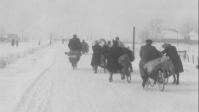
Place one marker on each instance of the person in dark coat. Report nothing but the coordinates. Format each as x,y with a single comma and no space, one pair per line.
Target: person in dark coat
172,53
95,62
147,53
85,47
104,55
75,46
112,60
12,42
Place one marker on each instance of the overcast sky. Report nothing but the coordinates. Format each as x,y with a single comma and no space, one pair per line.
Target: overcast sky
99,18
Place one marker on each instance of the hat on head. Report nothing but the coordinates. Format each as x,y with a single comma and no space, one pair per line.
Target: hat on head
165,45
117,38
149,41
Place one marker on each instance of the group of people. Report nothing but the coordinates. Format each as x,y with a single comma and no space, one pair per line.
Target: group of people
106,54
149,52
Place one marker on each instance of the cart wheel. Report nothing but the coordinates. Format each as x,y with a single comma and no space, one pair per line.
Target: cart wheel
166,77
146,86
129,77
161,80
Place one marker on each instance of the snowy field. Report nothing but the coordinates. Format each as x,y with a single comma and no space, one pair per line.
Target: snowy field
6,48
45,82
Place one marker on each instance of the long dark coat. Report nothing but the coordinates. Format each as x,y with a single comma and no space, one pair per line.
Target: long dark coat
84,47
147,53
96,55
172,53
112,60
105,51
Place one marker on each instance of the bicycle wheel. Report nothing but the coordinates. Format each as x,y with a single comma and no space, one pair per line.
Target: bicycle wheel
129,77
161,80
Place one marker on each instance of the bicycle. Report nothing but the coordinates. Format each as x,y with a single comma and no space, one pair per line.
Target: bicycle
73,60
157,76
159,71
126,71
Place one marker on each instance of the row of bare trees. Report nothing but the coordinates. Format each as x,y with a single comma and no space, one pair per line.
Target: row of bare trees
155,26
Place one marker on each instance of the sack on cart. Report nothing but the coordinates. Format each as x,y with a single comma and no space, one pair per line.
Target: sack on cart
155,64
124,60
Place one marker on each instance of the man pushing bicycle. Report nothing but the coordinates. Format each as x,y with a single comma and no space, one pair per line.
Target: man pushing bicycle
75,48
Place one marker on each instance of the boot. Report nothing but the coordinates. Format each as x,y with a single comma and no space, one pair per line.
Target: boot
110,78
122,76
144,81
174,81
177,79
95,69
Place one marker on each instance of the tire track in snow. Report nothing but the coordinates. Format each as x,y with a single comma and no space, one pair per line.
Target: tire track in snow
36,96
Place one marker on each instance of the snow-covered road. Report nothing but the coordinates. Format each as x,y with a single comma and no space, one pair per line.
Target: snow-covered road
59,88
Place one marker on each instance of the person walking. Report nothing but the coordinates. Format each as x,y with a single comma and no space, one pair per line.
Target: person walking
120,43
96,57
172,53
113,66
85,47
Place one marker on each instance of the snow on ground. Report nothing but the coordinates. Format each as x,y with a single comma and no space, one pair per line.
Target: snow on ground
17,77
46,82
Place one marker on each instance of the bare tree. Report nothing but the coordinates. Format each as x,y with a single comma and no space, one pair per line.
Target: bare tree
187,27
2,31
155,26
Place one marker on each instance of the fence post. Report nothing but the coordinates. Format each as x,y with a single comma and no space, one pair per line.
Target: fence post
193,58
188,57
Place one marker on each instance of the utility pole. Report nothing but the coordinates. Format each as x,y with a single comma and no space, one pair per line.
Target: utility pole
177,37
133,39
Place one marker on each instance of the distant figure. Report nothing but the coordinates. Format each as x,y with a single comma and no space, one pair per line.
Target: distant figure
109,44
17,42
84,47
120,43
39,43
12,42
